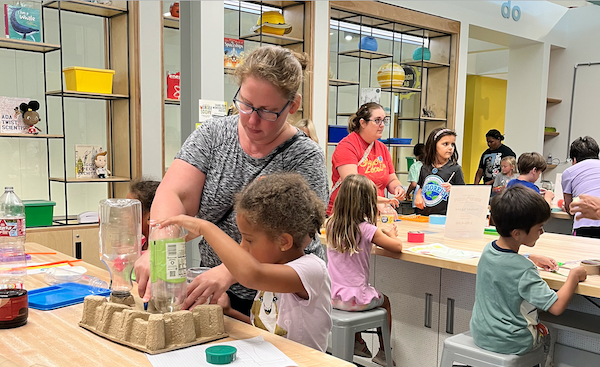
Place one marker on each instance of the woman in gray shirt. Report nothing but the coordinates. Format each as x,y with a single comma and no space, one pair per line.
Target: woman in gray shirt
225,154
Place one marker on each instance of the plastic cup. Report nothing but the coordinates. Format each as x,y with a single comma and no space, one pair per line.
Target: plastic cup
192,273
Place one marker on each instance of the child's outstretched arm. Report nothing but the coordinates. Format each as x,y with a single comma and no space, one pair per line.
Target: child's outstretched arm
565,292
243,266
419,203
388,239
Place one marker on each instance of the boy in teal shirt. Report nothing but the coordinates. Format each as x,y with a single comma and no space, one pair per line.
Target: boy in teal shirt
509,289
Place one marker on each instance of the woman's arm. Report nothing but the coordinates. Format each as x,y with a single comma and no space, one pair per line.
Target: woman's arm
478,176
243,266
395,187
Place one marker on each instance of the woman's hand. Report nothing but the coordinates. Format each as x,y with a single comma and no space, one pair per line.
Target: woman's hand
399,192
392,201
210,284
544,262
142,276
419,202
587,205
447,186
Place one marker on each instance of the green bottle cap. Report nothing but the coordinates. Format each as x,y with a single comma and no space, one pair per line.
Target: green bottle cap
220,354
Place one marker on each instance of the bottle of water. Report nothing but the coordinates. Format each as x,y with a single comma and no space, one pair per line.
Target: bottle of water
387,216
549,159
13,261
167,267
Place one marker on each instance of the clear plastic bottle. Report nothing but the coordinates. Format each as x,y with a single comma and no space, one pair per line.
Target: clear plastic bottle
120,241
167,267
67,275
13,261
387,216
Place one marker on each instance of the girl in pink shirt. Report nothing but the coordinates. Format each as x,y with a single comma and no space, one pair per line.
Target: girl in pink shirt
351,232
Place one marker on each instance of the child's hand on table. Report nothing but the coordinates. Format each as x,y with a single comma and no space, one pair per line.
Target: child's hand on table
544,262
392,232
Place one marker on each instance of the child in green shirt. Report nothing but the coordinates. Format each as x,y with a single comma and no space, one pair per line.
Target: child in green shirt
509,289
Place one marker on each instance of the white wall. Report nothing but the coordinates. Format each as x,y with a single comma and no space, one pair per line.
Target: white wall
151,75
320,54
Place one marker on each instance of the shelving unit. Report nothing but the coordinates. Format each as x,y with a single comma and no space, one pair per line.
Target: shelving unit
550,134
428,83
549,143
241,16
553,100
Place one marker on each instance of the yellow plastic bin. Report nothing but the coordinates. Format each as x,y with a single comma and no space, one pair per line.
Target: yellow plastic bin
80,79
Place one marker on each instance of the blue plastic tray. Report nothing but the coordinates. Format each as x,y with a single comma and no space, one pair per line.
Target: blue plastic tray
62,295
397,141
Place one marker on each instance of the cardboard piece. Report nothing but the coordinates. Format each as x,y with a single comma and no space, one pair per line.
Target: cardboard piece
152,333
467,211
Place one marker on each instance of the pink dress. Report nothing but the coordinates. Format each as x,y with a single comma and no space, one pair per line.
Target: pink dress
350,274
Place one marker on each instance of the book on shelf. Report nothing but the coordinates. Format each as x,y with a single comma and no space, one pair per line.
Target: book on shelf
84,160
173,86
209,109
233,55
12,120
370,95
22,23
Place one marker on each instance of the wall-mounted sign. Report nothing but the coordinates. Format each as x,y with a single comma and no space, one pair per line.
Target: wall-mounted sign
507,12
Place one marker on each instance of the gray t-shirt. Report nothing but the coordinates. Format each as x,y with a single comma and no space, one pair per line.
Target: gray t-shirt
214,149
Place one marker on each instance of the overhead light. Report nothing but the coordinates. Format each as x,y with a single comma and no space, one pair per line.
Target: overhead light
348,37
331,34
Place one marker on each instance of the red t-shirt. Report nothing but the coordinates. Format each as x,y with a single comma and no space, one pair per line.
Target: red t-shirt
377,167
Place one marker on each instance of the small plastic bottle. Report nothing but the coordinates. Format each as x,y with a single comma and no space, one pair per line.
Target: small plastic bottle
13,261
387,216
167,267
549,159
65,275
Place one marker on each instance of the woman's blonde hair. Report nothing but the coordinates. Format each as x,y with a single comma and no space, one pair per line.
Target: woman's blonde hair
355,203
364,112
279,66
513,163
308,125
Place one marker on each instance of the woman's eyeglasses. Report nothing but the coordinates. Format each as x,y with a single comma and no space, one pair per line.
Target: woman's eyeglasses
379,122
247,109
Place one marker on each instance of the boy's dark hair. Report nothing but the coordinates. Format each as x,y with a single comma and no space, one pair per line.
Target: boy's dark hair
282,203
529,161
584,148
419,151
431,146
144,191
518,207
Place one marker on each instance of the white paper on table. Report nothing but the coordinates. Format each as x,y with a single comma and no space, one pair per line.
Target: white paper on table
444,252
467,210
254,352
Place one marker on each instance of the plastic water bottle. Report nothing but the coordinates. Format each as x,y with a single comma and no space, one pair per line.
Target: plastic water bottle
168,267
549,159
120,241
387,216
13,261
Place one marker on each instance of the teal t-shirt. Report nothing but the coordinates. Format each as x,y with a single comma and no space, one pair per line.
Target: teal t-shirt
414,171
508,292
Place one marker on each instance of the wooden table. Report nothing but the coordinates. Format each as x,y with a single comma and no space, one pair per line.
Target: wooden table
560,247
53,338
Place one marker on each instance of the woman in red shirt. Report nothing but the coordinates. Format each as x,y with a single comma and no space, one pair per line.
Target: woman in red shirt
360,152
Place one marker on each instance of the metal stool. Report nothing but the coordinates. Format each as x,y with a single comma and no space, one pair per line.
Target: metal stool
346,324
462,349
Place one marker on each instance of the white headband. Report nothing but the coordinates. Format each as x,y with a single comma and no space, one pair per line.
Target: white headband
440,132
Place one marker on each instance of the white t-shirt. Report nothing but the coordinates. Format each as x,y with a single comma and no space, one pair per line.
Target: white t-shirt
305,321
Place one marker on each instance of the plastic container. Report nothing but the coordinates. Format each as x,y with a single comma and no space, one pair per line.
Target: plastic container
120,241
81,79
437,219
167,267
409,162
337,133
220,354
396,141
38,213
387,216
75,274
13,260
62,295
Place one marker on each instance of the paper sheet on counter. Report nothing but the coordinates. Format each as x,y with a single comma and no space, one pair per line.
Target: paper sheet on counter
254,352
444,252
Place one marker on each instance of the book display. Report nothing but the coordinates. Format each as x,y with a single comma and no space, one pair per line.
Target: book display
72,87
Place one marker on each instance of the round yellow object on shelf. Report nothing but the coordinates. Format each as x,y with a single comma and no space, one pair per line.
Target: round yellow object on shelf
389,71
272,23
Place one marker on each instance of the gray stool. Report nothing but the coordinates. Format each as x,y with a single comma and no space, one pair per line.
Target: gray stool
346,324
462,349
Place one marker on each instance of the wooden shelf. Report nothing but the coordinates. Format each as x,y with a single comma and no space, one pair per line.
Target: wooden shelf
440,119
400,145
426,64
86,95
170,22
229,70
341,83
364,54
21,45
551,166
348,114
332,144
550,133
272,39
85,7
79,180
172,101
400,90
278,4
31,136
553,100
